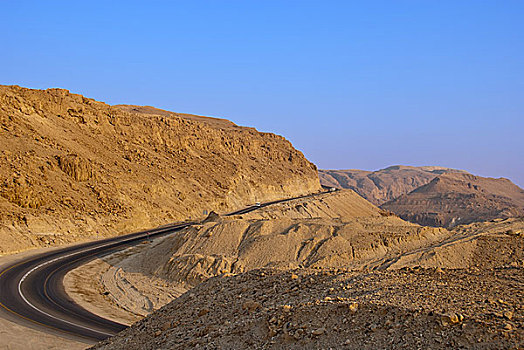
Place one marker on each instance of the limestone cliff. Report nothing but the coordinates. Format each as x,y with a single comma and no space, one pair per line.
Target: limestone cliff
72,167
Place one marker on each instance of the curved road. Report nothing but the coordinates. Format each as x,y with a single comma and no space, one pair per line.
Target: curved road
32,288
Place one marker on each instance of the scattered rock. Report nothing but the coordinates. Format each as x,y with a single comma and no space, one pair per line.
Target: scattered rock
203,312
451,318
251,305
508,315
318,331
353,307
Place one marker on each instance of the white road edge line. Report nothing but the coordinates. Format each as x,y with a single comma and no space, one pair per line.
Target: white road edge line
60,258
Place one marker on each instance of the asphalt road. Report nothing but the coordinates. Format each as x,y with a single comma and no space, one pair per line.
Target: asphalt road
32,289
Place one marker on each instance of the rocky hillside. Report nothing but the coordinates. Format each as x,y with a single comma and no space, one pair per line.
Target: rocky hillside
337,309
338,273
319,233
382,185
453,199
72,167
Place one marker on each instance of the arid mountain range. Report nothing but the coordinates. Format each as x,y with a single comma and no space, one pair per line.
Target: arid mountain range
457,198
75,168
432,196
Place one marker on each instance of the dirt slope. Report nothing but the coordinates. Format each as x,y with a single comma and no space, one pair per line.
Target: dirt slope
307,309
382,185
453,199
322,232
72,167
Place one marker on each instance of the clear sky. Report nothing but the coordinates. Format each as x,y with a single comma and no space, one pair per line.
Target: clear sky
353,84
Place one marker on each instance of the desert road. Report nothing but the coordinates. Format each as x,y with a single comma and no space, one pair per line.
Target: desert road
31,290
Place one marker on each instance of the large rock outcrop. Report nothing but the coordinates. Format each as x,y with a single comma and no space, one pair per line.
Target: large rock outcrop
72,167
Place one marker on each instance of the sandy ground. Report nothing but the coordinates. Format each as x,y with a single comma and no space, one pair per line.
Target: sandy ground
14,335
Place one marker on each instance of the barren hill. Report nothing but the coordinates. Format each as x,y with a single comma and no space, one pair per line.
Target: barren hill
338,272
321,233
454,198
72,167
382,185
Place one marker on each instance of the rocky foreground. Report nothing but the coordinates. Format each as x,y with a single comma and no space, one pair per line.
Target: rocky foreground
411,308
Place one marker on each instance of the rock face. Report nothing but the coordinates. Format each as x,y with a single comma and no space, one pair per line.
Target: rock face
454,199
72,167
383,185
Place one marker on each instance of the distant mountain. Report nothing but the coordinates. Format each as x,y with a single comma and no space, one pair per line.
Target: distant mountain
383,185
451,199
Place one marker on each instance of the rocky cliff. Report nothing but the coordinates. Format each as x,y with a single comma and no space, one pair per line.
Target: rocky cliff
74,168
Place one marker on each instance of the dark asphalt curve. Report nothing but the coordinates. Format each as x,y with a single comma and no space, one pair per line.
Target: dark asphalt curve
32,288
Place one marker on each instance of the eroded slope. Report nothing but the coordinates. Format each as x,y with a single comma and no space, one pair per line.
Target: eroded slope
308,309
338,229
72,167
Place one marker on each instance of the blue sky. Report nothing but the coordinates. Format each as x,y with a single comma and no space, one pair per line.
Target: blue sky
352,84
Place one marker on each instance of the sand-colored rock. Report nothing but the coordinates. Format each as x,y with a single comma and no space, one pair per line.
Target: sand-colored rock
230,245
432,196
330,230
73,168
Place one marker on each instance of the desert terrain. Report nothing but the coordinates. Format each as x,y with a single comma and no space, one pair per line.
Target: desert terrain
310,309
383,185
404,257
452,199
403,285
